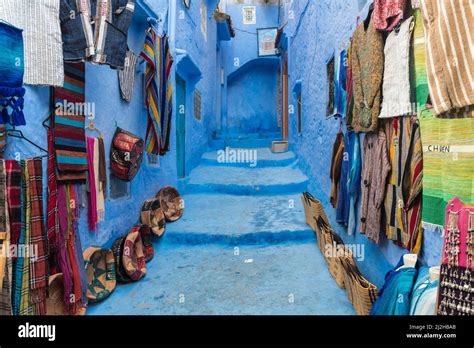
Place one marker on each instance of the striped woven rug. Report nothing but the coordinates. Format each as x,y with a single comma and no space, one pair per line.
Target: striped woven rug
69,124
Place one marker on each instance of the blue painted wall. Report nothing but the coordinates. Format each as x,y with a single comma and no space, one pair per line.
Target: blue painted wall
250,105
202,50
252,97
316,30
102,89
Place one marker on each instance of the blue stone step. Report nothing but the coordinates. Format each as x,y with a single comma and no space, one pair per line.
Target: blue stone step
231,220
258,157
246,181
284,279
250,140
250,143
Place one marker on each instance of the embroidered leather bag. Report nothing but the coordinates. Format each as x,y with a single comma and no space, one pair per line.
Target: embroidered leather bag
126,154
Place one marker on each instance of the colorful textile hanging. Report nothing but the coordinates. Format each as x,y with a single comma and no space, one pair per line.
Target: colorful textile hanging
5,259
336,163
69,123
11,71
96,184
70,252
419,75
403,197
158,92
23,261
28,242
448,156
52,218
101,168
448,145
14,199
38,239
41,26
448,25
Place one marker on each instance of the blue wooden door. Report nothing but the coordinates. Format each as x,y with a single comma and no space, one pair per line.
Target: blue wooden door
180,125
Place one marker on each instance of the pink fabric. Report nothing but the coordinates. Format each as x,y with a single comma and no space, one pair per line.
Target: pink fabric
92,194
463,211
388,13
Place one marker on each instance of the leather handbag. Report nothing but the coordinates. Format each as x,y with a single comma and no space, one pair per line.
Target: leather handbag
126,154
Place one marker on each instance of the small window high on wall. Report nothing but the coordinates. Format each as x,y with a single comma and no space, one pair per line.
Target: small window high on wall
249,15
197,105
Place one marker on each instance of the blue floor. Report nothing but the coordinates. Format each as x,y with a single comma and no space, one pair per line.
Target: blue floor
242,247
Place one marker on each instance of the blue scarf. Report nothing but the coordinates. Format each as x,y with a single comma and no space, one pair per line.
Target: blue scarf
395,295
11,71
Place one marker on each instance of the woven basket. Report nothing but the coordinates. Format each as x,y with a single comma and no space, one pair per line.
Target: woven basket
55,300
336,267
117,249
337,252
362,294
171,203
316,218
100,270
314,212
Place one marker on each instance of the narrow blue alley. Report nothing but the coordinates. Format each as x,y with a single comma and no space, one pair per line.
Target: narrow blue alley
241,247
236,157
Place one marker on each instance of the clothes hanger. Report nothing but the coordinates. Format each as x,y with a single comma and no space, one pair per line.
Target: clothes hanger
45,122
91,126
15,133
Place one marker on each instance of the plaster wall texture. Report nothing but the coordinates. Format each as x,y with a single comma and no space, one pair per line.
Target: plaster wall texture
252,101
317,30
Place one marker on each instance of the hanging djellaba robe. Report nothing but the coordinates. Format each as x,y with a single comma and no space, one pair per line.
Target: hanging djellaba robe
403,198
159,90
394,296
336,164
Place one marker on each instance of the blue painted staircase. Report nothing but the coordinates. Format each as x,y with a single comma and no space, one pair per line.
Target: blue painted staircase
242,247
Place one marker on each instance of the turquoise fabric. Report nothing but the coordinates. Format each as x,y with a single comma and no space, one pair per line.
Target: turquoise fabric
11,72
423,299
394,296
